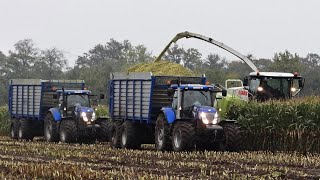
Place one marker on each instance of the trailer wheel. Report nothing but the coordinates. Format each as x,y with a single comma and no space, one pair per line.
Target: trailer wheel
24,130
183,136
68,131
114,135
50,129
105,127
233,137
14,129
129,136
162,134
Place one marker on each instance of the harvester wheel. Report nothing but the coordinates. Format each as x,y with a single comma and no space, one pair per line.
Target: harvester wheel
25,130
68,131
115,132
50,129
162,134
183,136
129,136
105,127
233,137
14,129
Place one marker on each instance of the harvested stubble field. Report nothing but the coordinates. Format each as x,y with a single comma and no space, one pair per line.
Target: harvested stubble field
41,160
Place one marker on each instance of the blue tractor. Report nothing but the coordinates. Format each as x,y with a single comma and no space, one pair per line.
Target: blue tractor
56,109
175,113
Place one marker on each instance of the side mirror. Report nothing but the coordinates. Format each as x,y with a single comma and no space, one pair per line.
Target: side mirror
224,92
170,91
55,96
245,81
301,83
101,96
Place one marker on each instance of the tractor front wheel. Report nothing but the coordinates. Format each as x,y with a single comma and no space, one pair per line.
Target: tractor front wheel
183,136
68,131
105,127
233,137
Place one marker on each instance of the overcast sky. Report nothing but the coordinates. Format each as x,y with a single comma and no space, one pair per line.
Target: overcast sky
249,26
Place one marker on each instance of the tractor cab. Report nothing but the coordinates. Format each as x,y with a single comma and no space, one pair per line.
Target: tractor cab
76,104
273,85
195,101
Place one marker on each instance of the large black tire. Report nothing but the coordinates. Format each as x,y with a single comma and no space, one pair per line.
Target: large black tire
51,133
115,132
162,134
14,129
68,131
233,137
105,127
129,138
183,136
25,130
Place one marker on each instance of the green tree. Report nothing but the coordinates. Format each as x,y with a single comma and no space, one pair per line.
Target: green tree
21,61
192,59
286,62
50,64
175,54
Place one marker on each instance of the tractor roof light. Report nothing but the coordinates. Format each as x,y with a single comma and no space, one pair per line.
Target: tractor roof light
296,74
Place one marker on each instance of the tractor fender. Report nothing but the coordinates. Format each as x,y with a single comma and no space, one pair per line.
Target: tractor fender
55,113
170,114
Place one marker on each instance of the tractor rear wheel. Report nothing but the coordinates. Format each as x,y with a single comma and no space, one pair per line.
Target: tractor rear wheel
14,129
115,132
129,136
233,137
25,130
50,129
68,131
162,134
183,136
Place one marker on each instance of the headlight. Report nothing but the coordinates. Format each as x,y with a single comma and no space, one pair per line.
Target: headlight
293,89
260,88
209,118
93,116
84,117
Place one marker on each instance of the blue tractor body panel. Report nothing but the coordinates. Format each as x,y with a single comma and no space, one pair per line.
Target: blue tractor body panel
56,113
170,114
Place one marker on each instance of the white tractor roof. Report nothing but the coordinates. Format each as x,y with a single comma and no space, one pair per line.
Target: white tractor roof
272,74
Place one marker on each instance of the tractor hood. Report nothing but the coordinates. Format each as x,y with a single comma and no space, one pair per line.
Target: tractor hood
208,115
80,109
205,109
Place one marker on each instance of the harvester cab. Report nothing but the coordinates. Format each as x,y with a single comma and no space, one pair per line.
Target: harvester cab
283,84
264,86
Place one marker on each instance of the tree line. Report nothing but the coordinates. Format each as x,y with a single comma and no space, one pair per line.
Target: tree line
26,60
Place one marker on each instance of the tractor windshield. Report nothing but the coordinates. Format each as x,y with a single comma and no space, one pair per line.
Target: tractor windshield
77,99
270,88
193,97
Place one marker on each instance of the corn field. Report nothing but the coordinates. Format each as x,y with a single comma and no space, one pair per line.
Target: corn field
280,125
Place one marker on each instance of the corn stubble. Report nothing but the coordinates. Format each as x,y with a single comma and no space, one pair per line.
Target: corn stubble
41,160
